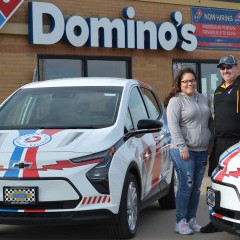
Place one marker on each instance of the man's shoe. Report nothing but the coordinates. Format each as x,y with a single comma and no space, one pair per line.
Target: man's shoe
210,228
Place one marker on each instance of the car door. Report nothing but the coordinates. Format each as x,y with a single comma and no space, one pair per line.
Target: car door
161,165
144,143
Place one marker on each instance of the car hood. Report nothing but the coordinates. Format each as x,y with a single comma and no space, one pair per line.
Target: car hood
34,153
229,170
58,140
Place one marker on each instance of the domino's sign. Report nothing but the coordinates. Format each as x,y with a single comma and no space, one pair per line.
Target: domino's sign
7,8
110,33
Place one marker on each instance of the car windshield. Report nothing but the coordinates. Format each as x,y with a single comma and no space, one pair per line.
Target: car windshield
61,107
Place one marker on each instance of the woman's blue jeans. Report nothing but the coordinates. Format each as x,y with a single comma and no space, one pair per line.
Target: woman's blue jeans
190,175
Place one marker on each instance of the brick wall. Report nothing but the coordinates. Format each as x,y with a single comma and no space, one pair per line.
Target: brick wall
18,58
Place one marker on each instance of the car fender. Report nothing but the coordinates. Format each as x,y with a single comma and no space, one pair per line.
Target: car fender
121,165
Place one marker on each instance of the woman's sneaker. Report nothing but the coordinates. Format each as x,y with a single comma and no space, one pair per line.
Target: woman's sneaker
182,227
193,224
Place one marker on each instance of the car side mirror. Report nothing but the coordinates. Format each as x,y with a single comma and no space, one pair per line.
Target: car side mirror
145,126
149,124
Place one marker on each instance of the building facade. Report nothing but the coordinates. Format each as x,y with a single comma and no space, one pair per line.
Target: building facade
137,39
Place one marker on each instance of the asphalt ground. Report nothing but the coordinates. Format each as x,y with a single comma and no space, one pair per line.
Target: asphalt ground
155,223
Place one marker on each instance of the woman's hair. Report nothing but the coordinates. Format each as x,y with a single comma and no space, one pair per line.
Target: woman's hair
176,86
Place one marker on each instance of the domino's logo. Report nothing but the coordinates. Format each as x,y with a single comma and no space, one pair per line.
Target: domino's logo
7,8
32,140
198,15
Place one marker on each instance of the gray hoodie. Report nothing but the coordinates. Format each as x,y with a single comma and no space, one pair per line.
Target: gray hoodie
188,121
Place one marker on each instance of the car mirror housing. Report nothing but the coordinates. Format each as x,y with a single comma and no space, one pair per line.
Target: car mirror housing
145,126
149,124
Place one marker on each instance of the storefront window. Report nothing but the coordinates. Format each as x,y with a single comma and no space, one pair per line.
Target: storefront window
101,68
53,67
210,79
179,65
60,68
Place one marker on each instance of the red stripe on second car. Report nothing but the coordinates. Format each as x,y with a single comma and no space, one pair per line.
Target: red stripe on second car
219,177
218,215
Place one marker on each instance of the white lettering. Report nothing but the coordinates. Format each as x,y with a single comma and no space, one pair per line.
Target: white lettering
189,42
129,12
167,36
209,16
108,31
77,31
146,35
104,32
37,10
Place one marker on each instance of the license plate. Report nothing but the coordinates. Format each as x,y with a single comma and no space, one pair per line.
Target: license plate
213,198
20,195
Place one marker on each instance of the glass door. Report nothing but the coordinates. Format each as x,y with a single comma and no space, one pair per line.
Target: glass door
210,79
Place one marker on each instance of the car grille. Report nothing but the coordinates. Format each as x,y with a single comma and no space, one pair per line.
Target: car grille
44,205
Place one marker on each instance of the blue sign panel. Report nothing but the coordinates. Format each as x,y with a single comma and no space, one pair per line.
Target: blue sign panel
216,28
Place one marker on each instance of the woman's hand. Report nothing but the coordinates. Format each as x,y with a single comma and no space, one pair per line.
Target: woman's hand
185,155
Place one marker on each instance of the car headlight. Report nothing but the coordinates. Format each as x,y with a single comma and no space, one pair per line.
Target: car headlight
96,157
98,175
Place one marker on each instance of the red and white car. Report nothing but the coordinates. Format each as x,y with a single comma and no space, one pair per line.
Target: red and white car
223,196
83,149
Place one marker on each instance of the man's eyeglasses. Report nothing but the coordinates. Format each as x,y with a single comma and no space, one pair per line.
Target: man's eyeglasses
225,67
188,81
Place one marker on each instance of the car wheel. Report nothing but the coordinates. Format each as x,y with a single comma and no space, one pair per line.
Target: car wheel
168,201
127,221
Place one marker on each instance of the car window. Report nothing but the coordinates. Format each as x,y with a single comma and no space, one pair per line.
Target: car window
151,102
128,122
137,107
66,107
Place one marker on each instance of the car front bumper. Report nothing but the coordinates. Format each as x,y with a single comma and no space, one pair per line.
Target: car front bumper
231,225
31,218
224,201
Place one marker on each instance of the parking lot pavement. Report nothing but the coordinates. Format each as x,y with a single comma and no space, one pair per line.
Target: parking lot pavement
158,224
155,223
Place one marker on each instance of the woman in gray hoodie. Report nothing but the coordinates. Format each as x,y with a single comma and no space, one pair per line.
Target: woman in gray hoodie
188,118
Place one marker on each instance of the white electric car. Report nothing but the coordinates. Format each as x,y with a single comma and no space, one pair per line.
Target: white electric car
223,196
84,149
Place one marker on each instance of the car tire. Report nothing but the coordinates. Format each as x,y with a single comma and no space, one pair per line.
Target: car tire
168,201
125,226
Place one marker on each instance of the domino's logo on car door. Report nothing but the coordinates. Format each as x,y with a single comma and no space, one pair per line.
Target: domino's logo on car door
7,8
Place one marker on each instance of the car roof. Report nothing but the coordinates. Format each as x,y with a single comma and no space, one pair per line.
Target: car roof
85,81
